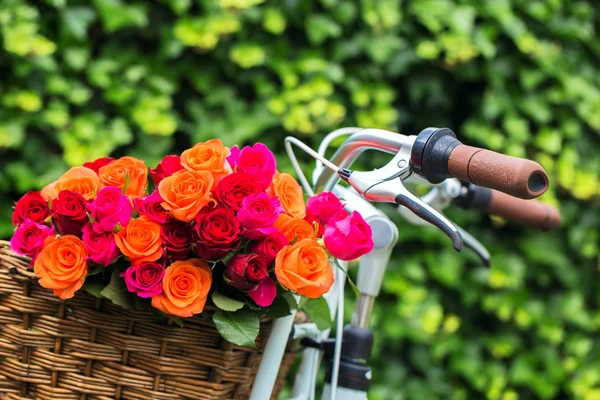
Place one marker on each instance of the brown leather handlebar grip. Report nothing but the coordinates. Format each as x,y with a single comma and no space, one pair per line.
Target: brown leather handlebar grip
515,176
532,213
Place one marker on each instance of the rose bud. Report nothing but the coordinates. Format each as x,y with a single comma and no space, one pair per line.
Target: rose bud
31,206
99,163
102,248
264,292
69,213
323,206
347,237
177,239
167,167
152,207
233,189
216,232
269,246
244,271
316,223
145,279
257,160
29,238
258,215
110,208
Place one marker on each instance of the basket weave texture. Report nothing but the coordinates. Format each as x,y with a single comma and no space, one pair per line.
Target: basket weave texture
90,349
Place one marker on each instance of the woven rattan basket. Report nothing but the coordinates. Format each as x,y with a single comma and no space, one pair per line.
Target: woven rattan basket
90,349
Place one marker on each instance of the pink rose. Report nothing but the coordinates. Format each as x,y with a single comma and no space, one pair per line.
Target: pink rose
269,246
167,167
264,292
258,214
110,208
145,279
29,238
347,237
244,271
257,160
102,248
323,206
152,207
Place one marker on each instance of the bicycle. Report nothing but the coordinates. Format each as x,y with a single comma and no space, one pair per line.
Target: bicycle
466,176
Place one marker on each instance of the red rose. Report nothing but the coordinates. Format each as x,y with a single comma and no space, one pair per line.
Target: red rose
167,167
69,213
233,189
99,163
31,206
177,238
216,232
244,271
152,207
269,246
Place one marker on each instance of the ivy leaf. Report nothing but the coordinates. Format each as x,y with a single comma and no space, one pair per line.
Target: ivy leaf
226,303
318,311
116,291
240,328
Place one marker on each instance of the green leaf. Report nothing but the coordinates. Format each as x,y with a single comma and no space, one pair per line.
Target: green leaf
95,270
94,287
117,292
318,311
226,303
279,309
240,328
76,21
126,182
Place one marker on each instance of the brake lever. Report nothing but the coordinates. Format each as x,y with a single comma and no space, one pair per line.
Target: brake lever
385,186
440,197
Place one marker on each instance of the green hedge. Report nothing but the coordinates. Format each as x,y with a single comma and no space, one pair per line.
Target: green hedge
84,79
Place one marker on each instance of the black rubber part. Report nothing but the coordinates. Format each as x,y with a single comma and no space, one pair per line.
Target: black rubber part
354,372
431,151
476,198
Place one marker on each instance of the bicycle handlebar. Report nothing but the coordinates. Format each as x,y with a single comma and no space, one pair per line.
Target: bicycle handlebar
532,213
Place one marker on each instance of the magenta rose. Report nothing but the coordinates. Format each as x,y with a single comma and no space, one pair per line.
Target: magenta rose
31,206
257,160
269,246
99,163
263,293
314,221
244,271
145,279
152,207
233,189
258,214
69,213
216,232
347,237
177,239
110,208
167,167
29,238
323,206
102,248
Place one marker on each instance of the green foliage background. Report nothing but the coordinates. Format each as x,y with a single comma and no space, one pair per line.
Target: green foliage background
84,79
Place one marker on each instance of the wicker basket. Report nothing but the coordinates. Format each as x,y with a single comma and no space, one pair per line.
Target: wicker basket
88,348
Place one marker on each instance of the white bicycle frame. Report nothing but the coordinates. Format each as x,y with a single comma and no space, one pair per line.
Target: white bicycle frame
368,281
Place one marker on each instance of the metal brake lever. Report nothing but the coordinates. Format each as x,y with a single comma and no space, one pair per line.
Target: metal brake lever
440,197
385,186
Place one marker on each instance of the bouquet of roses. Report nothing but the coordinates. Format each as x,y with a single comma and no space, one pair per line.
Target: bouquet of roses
219,221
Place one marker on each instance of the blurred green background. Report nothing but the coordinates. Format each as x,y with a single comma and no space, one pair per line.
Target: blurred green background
85,79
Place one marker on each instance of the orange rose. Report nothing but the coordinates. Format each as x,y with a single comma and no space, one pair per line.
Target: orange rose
290,194
126,168
62,265
304,268
140,240
81,180
208,156
185,288
294,228
186,192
